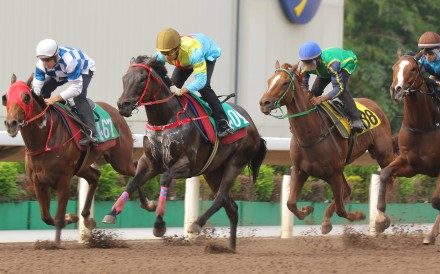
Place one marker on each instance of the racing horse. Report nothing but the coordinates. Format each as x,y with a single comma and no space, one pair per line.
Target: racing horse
175,148
316,149
53,158
418,137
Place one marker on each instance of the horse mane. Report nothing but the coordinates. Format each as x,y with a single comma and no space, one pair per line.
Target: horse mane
38,99
294,69
157,66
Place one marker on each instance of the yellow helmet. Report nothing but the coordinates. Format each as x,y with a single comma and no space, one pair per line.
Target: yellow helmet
167,40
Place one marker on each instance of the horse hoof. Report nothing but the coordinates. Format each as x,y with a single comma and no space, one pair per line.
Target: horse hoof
382,225
195,228
151,206
109,219
159,232
90,223
326,227
429,239
358,215
71,218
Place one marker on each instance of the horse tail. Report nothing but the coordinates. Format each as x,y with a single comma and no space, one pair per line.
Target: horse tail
396,150
257,161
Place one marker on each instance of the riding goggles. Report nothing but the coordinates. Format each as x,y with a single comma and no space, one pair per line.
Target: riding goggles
169,53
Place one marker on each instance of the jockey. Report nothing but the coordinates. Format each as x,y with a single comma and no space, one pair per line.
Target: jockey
429,43
59,65
193,53
333,65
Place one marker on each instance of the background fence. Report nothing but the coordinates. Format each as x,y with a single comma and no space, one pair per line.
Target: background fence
26,215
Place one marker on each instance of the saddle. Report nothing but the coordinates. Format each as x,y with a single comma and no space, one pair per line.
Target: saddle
208,126
106,131
334,109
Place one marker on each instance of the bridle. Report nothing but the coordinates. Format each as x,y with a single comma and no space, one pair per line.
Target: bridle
27,109
291,87
411,88
151,74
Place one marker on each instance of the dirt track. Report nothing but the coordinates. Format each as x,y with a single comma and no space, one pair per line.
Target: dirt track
350,253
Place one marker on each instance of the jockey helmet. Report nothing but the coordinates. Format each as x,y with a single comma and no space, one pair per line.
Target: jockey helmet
309,51
47,48
167,40
429,40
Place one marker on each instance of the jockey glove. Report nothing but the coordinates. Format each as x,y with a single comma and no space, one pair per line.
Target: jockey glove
176,91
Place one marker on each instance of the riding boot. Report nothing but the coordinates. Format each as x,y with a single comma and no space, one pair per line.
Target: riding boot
224,128
350,108
218,113
86,114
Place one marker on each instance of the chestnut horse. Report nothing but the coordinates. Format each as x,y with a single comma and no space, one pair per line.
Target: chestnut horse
52,158
174,147
418,139
315,149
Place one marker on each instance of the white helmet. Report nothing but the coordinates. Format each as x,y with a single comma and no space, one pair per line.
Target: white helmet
47,48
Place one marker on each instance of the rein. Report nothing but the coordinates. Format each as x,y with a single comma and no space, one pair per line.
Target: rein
161,101
292,87
49,136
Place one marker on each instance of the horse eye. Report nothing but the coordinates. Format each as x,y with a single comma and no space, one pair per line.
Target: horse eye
27,98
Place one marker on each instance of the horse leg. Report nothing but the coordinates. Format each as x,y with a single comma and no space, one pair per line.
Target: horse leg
341,190
62,192
231,209
179,170
399,167
91,175
430,237
42,193
122,163
220,181
326,225
297,180
144,172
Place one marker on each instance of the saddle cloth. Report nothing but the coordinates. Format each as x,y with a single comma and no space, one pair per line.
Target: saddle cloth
236,120
369,118
106,131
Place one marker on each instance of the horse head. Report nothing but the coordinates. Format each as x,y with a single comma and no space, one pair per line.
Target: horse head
142,83
279,85
19,105
407,77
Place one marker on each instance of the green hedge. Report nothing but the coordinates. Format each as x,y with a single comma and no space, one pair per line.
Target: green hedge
15,186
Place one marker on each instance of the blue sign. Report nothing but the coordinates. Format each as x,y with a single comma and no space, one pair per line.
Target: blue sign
300,11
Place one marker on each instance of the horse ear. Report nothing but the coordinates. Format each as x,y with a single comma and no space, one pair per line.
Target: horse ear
132,60
29,80
418,55
277,65
13,78
4,100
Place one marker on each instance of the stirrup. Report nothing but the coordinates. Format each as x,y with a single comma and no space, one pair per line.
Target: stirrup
88,139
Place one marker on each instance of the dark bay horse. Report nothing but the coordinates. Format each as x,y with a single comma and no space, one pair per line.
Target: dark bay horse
316,149
175,148
419,137
52,158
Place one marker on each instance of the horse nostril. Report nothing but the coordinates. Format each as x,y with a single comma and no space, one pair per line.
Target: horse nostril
267,104
398,88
